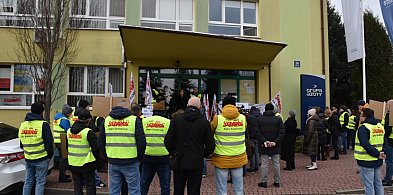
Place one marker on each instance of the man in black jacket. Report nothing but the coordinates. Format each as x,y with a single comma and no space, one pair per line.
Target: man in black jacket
272,132
123,142
335,126
200,145
253,131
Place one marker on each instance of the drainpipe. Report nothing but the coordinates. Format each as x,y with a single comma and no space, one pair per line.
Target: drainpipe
270,81
323,36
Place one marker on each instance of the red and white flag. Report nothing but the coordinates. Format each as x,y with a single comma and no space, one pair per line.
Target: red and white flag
277,103
132,89
214,107
206,105
149,94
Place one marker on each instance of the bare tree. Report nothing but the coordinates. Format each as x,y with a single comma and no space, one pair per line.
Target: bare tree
47,39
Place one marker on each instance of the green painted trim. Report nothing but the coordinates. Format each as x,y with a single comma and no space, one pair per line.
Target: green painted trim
201,15
133,12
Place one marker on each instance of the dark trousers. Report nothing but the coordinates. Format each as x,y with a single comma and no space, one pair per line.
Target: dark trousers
193,179
321,152
163,171
63,162
89,180
313,158
290,164
336,146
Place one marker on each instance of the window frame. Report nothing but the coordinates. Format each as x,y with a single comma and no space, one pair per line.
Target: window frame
241,24
178,22
11,91
14,16
85,77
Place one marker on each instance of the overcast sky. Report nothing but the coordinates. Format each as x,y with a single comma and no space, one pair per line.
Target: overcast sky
372,5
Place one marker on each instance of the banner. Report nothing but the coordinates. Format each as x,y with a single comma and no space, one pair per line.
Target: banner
313,94
276,101
387,13
149,94
353,23
132,90
13,100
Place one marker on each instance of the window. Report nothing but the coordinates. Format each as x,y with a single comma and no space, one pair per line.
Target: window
232,17
101,14
167,14
17,86
97,14
86,82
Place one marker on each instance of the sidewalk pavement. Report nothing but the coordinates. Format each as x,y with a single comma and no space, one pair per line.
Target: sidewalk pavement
331,176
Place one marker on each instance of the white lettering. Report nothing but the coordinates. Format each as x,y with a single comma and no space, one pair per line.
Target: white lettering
314,92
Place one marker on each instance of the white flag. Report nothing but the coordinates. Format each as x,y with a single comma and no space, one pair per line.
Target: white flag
353,23
132,90
149,94
214,107
110,90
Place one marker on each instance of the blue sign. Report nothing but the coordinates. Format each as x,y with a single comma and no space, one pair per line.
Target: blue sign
387,12
313,94
296,64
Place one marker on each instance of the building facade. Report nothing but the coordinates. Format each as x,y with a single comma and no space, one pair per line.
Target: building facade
188,51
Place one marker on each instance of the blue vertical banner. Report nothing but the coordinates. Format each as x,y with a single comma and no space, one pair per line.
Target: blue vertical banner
313,94
387,13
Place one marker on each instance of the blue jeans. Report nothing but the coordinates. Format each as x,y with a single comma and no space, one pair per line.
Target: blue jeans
237,178
255,159
164,174
389,163
371,178
130,172
35,172
344,141
97,177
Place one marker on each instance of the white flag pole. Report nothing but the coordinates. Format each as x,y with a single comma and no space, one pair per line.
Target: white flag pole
364,55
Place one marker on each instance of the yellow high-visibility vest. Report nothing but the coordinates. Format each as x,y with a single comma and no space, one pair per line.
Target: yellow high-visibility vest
73,118
351,123
79,150
30,135
377,133
342,117
230,136
120,137
155,128
57,130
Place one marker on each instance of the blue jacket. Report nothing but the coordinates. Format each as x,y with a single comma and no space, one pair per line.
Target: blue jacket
64,124
46,136
120,113
364,139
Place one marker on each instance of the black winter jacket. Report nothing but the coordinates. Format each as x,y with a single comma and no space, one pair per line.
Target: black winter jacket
92,139
253,125
271,129
321,127
46,136
121,113
201,143
334,123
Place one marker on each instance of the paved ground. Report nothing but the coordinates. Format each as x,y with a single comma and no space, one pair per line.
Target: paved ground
330,177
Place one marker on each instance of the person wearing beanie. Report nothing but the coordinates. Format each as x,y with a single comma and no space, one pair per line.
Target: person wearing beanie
271,132
81,104
61,124
335,129
38,148
289,140
122,141
253,132
310,145
82,154
230,155
191,128
322,128
369,152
